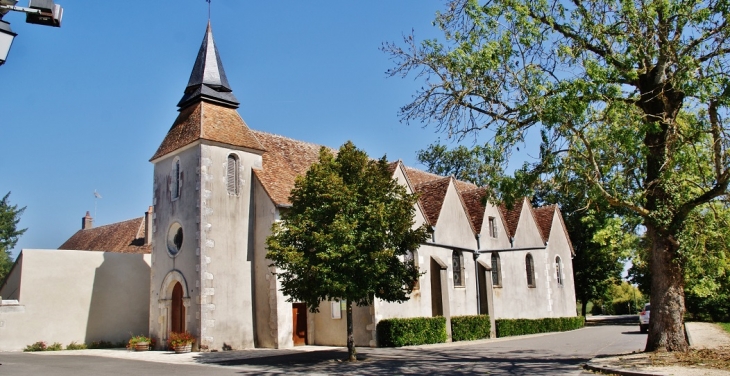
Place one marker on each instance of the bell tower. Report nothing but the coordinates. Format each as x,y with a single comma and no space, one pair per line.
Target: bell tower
201,261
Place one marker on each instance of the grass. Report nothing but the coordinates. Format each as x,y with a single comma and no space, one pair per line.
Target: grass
725,325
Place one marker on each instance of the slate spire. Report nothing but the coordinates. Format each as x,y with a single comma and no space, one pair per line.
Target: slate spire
208,80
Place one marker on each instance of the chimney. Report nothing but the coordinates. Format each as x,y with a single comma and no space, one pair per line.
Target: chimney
87,222
148,226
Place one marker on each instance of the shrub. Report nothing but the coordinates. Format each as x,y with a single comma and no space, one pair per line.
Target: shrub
76,346
38,346
469,328
104,345
411,331
517,327
56,346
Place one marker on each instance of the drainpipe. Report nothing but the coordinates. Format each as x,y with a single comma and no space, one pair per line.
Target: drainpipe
476,273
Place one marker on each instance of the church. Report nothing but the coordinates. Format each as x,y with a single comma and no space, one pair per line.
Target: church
196,261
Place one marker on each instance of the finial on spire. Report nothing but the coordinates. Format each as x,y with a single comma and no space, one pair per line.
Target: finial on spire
208,79
208,1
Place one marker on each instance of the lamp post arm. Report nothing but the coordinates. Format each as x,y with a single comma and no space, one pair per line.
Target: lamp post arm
20,9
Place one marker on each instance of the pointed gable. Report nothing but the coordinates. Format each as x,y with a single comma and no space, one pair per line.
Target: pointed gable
432,197
512,217
544,218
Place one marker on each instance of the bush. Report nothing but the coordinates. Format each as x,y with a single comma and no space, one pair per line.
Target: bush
56,346
469,328
411,331
76,346
38,346
517,327
106,345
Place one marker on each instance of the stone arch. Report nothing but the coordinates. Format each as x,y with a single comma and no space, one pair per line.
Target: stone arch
172,279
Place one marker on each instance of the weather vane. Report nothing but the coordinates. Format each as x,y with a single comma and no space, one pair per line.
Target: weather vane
208,1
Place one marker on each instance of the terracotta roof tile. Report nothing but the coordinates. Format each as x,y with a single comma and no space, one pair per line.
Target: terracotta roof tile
544,217
432,197
208,122
512,217
473,200
120,237
283,161
418,177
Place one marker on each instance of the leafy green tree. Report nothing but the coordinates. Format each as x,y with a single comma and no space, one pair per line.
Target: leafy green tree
9,233
472,165
347,235
632,96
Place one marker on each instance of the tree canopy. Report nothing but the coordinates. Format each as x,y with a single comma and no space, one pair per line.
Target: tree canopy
631,96
9,233
347,235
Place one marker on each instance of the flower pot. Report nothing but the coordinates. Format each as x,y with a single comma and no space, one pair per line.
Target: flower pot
142,346
183,348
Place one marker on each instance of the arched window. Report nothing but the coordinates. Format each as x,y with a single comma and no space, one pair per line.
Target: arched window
530,269
232,174
559,270
457,262
175,179
496,271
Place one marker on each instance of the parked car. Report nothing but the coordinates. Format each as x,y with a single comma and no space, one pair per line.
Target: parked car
644,318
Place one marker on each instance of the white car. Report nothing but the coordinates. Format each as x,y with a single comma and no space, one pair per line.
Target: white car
644,318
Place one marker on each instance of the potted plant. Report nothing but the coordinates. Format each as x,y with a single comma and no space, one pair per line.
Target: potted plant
181,342
139,343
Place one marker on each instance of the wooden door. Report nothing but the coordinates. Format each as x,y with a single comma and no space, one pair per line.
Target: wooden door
483,303
299,318
437,305
177,310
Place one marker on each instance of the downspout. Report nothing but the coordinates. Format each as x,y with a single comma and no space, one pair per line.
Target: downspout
476,273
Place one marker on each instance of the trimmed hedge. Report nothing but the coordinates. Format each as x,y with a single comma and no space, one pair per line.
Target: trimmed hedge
411,331
469,328
517,327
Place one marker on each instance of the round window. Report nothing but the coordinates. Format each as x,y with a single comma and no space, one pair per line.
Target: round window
174,238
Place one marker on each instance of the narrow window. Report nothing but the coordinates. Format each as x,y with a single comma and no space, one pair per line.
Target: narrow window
412,257
458,268
530,269
493,227
232,174
559,270
496,271
176,179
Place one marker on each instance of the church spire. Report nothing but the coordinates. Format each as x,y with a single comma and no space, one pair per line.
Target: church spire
208,80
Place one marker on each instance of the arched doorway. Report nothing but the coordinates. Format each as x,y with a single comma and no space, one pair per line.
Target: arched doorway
177,310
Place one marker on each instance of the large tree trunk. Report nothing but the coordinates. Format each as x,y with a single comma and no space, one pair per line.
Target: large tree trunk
584,306
351,352
666,329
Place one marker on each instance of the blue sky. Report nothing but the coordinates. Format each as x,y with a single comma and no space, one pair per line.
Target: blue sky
86,105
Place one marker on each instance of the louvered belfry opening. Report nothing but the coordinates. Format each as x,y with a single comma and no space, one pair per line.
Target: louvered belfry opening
232,174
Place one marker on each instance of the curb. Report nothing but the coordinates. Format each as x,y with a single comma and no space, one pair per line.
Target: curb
616,371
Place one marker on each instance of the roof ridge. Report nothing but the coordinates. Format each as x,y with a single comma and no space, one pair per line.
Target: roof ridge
114,223
291,139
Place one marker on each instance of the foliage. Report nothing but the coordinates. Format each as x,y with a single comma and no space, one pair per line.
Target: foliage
347,235
56,346
9,233
106,345
38,346
76,346
623,299
411,331
470,328
138,339
180,339
466,164
725,326
632,97
518,327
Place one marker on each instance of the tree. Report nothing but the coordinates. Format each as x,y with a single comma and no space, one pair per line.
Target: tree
9,233
347,235
632,96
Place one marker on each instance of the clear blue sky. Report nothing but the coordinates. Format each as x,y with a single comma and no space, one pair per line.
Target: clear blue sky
85,106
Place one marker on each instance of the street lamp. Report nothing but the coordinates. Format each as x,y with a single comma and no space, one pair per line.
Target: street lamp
39,12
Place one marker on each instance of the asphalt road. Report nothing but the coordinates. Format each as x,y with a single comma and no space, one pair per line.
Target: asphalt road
552,354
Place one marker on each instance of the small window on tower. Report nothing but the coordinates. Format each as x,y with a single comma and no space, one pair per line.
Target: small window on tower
232,174
492,227
175,186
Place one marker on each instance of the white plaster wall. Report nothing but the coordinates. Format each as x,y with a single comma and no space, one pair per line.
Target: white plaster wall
454,226
80,296
564,304
185,210
527,233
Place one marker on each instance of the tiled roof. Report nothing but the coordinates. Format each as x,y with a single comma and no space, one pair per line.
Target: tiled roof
512,217
208,122
418,177
544,216
283,161
120,237
473,200
432,197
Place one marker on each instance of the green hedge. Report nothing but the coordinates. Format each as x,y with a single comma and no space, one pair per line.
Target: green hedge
469,328
411,331
517,327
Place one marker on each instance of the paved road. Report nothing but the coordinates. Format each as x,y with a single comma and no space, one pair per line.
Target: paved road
553,354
